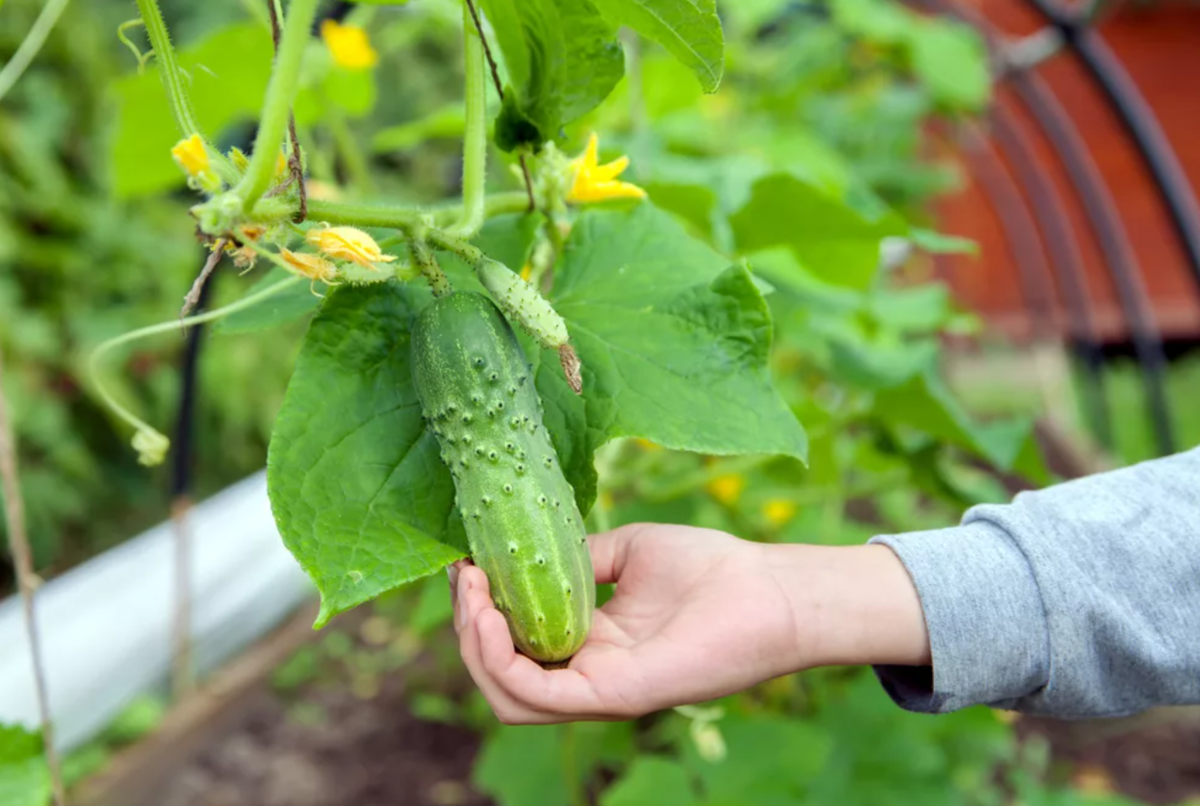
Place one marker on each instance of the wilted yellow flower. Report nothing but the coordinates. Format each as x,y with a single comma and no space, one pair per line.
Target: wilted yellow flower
594,182
151,446
349,45
647,445
728,488
192,157
281,165
526,272
347,243
779,511
314,267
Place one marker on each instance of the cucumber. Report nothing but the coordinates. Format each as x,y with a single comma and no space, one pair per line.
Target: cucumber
522,303
523,526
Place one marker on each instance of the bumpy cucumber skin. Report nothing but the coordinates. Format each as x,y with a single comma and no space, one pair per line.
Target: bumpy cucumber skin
523,526
523,304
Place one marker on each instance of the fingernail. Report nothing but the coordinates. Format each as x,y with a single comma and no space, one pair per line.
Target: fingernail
452,574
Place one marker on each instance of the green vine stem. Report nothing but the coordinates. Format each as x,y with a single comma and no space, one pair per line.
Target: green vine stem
31,44
427,264
471,255
168,66
149,442
475,134
285,80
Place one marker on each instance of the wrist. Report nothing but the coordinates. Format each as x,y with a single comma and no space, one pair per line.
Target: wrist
851,605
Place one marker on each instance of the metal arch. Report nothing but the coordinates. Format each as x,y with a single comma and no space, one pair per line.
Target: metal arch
1113,239
1063,246
1020,228
1105,221
1139,121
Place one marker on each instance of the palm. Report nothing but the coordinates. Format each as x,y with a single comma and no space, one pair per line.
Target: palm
675,631
679,610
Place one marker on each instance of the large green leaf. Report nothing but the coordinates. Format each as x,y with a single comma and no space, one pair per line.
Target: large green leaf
951,60
563,59
674,344
768,757
24,777
528,765
830,240
689,29
651,779
923,402
359,491
294,302
228,71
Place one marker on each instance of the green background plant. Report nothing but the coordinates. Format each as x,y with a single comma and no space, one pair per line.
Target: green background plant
819,116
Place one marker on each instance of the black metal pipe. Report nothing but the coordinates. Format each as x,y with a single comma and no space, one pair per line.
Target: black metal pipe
183,448
1066,261
1102,214
1020,231
1113,239
1141,124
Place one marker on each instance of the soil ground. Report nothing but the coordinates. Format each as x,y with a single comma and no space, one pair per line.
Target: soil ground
373,752
1158,764
361,752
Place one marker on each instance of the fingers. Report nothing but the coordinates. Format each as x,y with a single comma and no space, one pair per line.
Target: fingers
610,551
474,599
519,690
452,572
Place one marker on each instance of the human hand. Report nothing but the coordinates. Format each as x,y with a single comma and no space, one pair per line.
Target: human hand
697,614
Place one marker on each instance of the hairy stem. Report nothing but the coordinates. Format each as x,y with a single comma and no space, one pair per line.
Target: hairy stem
168,67
471,255
285,80
425,261
475,135
30,45
18,541
403,218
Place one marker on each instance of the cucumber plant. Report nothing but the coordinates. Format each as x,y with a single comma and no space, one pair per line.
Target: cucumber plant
368,493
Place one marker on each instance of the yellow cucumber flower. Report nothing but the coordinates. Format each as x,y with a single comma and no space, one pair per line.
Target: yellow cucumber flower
728,488
314,267
347,243
192,156
595,182
349,45
779,511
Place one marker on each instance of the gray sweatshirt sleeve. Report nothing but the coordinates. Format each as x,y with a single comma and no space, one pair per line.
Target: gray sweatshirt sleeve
1080,600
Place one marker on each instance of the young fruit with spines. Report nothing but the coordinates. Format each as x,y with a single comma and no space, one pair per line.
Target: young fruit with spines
523,526
522,304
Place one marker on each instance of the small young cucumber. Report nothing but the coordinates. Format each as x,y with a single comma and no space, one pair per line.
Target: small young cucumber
523,526
522,303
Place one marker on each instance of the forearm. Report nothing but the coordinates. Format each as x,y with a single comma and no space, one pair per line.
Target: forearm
850,605
1081,600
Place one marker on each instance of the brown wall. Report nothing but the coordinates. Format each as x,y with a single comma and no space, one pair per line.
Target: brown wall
1160,48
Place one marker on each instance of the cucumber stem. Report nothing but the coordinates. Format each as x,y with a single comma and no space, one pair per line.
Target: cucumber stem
427,264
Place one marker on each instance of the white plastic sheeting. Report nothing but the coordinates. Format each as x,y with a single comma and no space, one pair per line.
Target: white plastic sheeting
106,625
